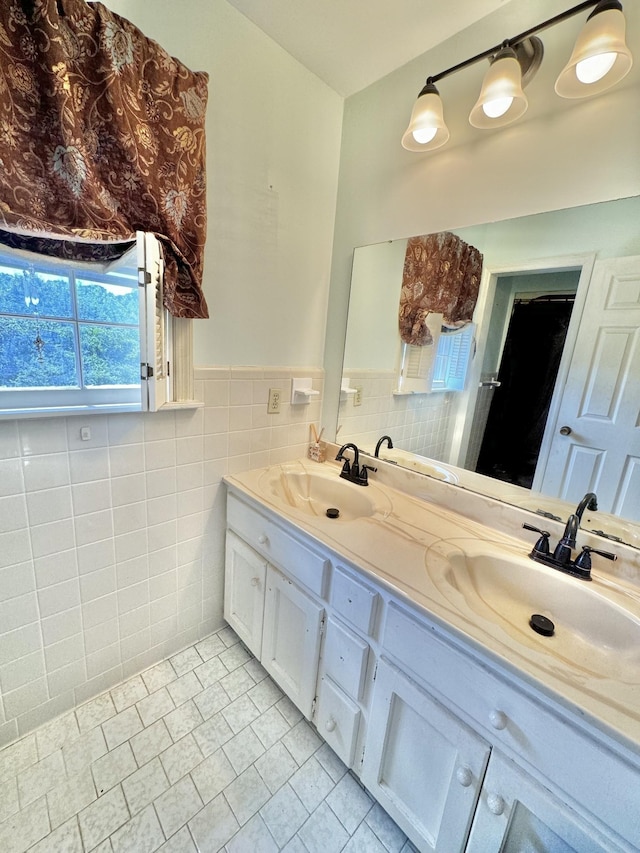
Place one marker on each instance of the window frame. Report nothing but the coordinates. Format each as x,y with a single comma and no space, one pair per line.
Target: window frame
163,340
441,366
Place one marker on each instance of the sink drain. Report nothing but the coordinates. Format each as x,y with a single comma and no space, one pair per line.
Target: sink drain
542,625
333,512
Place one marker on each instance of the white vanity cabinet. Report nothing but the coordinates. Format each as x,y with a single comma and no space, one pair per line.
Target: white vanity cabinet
450,791
536,764
278,618
465,754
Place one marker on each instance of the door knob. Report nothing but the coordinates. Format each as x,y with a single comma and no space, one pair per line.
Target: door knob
565,430
263,539
330,725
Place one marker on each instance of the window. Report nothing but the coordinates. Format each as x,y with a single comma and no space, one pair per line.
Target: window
81,337
441,367
452,359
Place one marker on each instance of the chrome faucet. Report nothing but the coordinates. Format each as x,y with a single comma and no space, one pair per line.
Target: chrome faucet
351,470
384,438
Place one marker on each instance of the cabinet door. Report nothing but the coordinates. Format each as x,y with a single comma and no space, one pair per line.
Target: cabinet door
291,639
517,815
244,585
423,764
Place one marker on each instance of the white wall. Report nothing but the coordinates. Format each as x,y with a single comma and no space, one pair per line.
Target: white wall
273,139
561,154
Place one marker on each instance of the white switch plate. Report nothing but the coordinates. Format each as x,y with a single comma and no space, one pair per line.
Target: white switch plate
357,397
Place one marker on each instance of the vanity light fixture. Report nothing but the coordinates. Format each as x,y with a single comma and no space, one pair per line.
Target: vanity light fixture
600,59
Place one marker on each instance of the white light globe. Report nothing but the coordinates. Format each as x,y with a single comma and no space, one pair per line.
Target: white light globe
594,69
422,135
497,107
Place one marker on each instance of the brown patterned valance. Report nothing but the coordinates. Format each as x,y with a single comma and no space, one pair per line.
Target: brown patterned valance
441,275
101,135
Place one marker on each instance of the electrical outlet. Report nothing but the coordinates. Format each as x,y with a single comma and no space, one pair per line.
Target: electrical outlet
273,406
357,397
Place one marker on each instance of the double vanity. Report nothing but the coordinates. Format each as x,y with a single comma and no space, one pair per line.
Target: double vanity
399,623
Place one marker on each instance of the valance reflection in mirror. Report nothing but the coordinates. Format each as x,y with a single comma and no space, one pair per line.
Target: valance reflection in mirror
568,284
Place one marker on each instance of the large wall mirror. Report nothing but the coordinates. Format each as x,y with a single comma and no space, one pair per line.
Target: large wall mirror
550,404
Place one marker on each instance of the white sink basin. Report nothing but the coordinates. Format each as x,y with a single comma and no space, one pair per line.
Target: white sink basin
597,625
315,492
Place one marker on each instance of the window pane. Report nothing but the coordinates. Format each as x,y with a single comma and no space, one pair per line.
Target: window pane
24,365
109,303
110,355
23,291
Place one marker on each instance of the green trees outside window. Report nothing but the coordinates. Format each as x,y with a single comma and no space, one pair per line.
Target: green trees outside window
67,328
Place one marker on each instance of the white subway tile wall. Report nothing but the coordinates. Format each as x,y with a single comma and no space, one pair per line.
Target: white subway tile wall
420,423
112,548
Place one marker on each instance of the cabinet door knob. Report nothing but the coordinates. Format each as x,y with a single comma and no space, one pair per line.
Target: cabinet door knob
330,725
255,581
464,776
263,539
495,803
498,719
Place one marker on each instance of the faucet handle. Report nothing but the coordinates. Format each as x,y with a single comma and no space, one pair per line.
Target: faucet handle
583,560
542,545
346,467
364,477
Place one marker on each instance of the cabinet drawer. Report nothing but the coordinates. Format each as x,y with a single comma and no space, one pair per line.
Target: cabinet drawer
297,560
345,658
354,600
337,720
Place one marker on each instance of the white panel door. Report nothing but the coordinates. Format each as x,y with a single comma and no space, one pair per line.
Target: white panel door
598,449
422,763
291,639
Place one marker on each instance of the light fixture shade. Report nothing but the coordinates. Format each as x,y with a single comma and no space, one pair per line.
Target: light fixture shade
501,99
603,33
427,129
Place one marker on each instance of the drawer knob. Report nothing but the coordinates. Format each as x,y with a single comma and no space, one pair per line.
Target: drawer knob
498,719
464,776
255,581
495,803
263,539
330,725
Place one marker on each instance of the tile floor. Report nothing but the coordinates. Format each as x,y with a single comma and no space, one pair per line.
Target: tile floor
202,752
